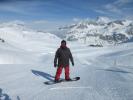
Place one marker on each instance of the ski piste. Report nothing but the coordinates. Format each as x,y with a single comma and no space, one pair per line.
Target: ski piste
61,80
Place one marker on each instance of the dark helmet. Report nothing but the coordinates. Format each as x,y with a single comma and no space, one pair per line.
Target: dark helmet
63,41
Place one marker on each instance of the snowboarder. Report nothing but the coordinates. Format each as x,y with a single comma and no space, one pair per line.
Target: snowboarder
63,54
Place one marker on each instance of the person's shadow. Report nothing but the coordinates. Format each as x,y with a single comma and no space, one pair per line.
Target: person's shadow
43,74
4,96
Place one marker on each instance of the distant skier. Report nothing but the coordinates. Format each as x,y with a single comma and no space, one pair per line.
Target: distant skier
63,54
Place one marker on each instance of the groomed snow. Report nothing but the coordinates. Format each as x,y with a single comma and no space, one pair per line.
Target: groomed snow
106,74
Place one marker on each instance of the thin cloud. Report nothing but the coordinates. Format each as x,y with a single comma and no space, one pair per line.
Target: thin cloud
112,8
122,2
101,11
12,9
116,8
47,25
76,19
19,7
40,22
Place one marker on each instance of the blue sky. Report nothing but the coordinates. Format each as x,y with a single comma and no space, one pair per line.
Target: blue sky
57,12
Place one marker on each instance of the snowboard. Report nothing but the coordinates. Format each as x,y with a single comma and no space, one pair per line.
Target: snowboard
61,80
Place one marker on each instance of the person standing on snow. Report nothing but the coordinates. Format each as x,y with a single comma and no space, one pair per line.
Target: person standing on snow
63,54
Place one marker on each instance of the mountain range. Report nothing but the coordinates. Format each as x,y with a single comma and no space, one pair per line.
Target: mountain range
102,31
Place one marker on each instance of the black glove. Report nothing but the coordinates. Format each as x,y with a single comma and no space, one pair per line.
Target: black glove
72,64
55,65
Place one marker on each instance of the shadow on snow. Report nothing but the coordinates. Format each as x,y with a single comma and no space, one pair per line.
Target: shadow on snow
43,74
4,96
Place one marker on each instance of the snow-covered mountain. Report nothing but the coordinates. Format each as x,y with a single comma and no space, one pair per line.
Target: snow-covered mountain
103,20
19,44
102,31
16,33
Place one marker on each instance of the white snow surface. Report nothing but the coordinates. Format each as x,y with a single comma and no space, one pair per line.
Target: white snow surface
26,63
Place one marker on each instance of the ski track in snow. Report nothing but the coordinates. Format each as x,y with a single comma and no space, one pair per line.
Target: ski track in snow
62,88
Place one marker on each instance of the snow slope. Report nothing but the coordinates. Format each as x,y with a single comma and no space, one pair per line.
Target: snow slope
106,74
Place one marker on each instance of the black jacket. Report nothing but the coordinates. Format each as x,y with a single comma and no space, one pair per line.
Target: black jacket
63,55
